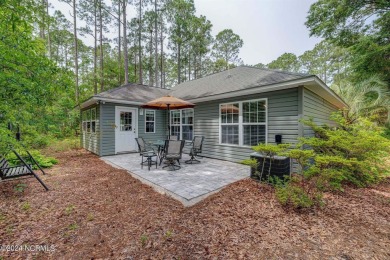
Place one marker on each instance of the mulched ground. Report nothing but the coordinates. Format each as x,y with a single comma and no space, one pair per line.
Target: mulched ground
96,211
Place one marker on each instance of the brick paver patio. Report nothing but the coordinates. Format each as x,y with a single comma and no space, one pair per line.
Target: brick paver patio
191,183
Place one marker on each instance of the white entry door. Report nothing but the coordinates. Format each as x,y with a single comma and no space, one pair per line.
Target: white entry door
126,129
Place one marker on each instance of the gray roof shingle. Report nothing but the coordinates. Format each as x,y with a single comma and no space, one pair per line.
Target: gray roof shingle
239,78
134,92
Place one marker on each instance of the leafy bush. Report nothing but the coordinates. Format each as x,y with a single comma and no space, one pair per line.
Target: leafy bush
355,151
42,160
351,153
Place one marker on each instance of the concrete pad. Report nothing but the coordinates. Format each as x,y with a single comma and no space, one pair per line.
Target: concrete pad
191,183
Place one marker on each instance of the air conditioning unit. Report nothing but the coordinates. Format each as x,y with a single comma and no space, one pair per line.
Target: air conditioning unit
280,166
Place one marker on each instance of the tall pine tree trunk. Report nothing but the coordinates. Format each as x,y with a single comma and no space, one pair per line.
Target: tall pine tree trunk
101,47
42,12
162,72
155,45
125,51
119,43
189,66
48,30
76,54
139,43
151,58
178,63
95,88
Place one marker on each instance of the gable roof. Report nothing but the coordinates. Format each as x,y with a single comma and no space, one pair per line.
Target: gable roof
242,80
238,78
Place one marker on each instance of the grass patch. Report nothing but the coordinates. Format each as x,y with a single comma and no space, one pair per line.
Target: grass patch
168,235
144,240
20,187
69,210
26,206
73,227
65,145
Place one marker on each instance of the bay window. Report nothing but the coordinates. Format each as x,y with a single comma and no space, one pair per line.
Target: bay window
244,122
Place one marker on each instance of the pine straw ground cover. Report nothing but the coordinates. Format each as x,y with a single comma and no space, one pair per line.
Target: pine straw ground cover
96,211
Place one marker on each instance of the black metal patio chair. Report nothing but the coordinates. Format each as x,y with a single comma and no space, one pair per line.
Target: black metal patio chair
146,151
173,153
196,149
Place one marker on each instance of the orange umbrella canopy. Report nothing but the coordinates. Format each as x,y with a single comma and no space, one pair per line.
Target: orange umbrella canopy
168,102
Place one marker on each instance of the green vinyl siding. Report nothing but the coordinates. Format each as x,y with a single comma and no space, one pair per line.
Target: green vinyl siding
108,127
318,109
282,119
90,141
160,127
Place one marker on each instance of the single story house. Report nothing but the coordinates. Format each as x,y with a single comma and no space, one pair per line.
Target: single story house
235,109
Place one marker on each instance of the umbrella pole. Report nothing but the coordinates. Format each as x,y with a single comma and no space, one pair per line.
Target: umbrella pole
169,123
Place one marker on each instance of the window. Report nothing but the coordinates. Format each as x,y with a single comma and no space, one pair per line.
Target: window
230,123
126,119
149,121
89,120
93,120
187,124
254,122
182,123
243,123
84,121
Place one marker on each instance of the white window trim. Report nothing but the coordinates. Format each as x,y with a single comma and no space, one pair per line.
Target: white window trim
240,122
154,120
181,123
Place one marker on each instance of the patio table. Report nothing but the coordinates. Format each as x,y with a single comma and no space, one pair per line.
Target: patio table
160,148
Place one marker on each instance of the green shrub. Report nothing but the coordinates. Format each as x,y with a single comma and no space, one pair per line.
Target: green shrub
357,151
297,196
42,160
351,153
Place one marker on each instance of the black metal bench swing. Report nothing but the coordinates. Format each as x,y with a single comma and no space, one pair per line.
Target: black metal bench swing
25,168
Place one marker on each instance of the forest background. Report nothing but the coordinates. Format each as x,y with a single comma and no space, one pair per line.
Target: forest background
47,70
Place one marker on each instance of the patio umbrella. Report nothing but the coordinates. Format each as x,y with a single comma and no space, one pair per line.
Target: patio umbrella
168,103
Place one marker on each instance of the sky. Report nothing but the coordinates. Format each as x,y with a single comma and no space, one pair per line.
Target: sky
268,28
